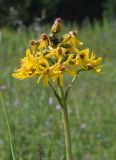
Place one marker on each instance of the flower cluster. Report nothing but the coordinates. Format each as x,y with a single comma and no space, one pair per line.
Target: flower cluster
50,57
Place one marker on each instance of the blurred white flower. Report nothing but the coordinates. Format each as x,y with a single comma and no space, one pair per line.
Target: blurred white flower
2,87
83,126
50,100
58,107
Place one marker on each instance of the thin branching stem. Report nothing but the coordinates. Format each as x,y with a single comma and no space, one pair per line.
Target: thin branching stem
55,93
70,85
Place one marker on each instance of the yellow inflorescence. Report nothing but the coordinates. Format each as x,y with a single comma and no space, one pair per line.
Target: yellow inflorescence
50,57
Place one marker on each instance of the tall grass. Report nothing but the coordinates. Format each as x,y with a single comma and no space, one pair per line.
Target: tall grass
8,127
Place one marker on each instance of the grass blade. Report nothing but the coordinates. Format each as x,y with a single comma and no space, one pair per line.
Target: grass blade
8,127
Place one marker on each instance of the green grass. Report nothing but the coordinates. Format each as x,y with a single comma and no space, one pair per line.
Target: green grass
35,123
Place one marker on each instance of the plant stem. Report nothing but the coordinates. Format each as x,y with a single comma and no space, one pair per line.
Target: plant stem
66,123
67,132
62,98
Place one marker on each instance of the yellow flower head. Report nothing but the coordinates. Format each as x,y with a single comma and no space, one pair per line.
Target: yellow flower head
88,62
28,67
50,57
71,39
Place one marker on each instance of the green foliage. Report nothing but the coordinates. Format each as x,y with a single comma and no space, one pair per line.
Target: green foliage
110,8
13,13
34,115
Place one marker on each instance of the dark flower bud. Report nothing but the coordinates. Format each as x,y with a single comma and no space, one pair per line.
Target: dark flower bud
32,42
59,51
73,33
67,52
44,36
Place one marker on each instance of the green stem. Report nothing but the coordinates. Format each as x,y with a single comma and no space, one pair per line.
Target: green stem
70,85
67,132
66,124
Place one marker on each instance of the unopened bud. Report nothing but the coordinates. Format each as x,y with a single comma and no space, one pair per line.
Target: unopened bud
44,36
32,42
73,33
57,26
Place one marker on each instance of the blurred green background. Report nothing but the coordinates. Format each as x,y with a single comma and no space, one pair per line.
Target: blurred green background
26,13
33,112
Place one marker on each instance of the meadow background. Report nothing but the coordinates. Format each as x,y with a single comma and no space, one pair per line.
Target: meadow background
33,112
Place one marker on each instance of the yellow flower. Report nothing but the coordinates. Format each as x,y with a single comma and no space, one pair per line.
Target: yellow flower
44,42
28,67
71,66
52,57
57,53
71,39
88,63
46,71
65,67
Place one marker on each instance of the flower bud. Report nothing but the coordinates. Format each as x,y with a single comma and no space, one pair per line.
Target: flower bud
57,26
